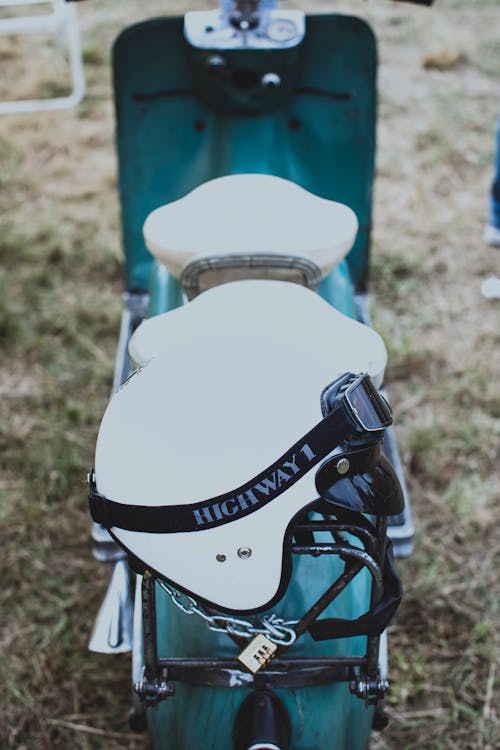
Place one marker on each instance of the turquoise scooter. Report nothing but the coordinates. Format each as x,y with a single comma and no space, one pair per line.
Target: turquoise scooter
247,486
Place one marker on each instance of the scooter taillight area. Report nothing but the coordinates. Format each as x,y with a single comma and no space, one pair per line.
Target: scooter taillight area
262,723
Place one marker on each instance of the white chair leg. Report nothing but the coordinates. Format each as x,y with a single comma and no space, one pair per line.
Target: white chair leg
62,19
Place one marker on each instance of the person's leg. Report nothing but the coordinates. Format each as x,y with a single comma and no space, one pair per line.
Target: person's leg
492,231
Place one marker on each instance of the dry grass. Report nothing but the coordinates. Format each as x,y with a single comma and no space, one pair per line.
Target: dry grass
60,284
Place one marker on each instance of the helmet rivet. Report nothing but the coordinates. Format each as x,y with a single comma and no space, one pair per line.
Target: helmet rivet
244,553
220,558
343,466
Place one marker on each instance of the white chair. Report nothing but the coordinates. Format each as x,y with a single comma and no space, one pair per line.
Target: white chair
61,20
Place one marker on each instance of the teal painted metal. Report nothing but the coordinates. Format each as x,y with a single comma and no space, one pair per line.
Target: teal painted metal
324,716
337,289
321,134
165,291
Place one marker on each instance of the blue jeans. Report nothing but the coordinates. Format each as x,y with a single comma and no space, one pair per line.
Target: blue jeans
494,218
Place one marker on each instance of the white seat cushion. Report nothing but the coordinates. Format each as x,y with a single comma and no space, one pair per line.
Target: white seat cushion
233,380
274,309
250,214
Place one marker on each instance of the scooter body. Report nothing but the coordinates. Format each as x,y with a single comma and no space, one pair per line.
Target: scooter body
187,114
182,120
201,715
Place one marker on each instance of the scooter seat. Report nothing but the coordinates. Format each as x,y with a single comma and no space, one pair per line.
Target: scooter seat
229,382
286,313
252,214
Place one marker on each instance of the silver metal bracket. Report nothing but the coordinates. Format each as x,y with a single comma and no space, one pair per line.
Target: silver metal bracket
134,311
155,690
371,690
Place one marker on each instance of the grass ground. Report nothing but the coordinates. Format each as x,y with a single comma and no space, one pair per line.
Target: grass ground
60,285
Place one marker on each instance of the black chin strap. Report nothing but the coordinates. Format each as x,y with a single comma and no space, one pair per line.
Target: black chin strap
373,622
230,506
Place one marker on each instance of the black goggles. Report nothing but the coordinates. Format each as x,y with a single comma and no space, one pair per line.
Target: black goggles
367,406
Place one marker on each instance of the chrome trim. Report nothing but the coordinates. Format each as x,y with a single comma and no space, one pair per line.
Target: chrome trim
190,277
137,654
112,632
135,306
105,549
383,656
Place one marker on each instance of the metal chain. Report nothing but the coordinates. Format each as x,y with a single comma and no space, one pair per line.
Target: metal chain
276,629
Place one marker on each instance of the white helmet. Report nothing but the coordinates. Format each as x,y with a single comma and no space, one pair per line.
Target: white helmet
210,450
